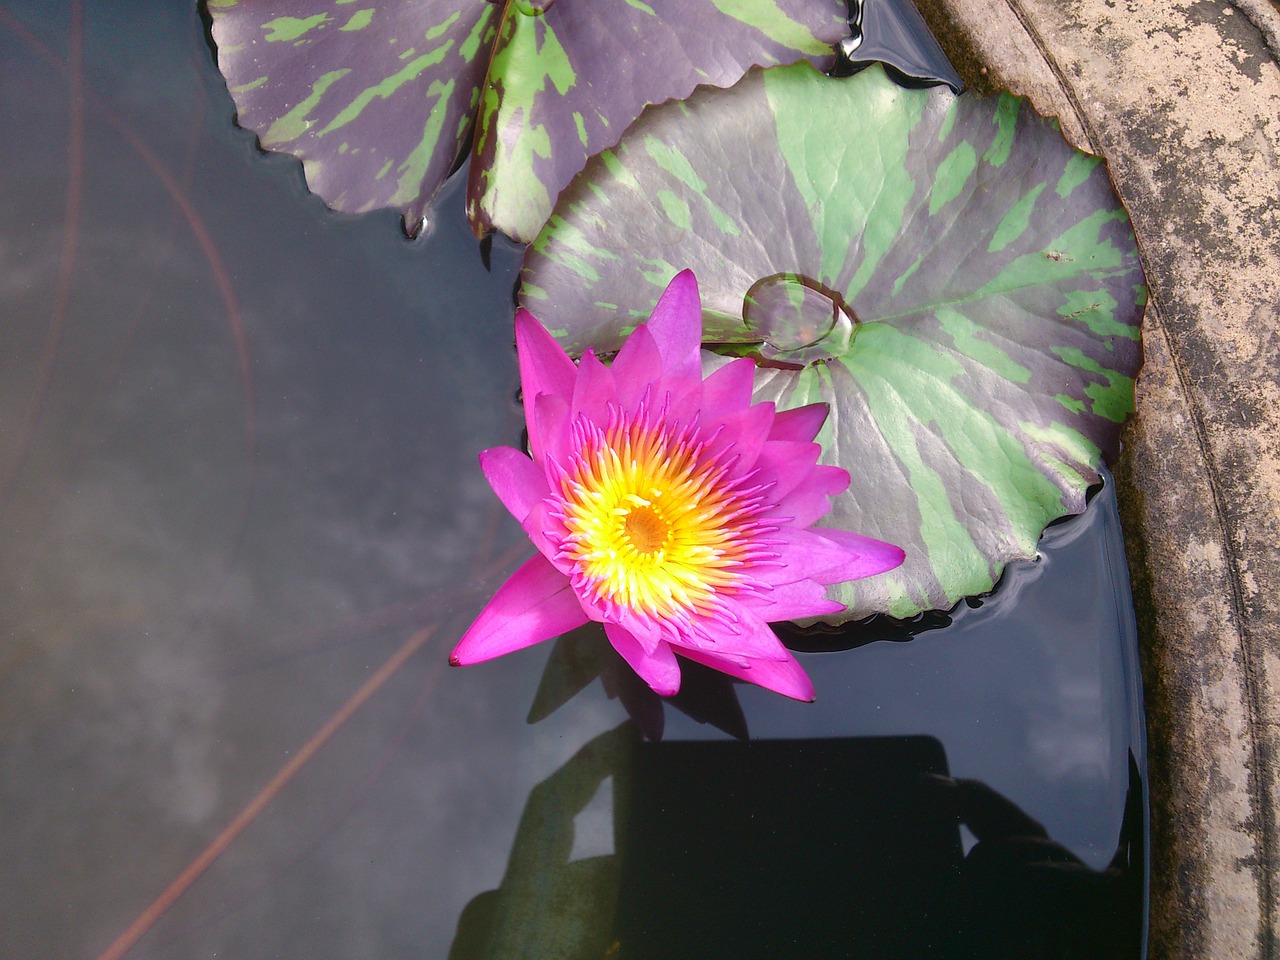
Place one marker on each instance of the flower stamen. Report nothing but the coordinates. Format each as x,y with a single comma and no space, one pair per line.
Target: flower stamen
646,531
654,524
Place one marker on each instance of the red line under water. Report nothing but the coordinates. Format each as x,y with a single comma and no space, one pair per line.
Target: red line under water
264,882
180,884
196,223
194,870
221,276
74,69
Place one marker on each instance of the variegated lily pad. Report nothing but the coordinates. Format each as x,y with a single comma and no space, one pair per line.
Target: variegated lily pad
956,280
378,99
564,85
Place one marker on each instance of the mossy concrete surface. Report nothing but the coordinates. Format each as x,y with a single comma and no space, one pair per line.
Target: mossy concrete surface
1183,100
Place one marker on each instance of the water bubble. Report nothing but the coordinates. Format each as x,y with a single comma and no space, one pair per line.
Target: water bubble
799,319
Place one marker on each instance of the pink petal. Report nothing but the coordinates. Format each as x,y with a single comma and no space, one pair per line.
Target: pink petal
535,604
682,397
549,429
644,629
799,423
791,601
868,556
594,390
786,464
516,479
728,388
745,431
544,369
781,676
813,555
637,366
746,637
810,501
539,524
658,668
676,326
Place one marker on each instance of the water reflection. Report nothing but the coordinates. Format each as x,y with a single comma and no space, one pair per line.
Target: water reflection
844,847
549,905
706,696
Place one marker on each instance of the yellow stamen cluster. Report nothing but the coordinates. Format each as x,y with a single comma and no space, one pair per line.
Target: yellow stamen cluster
653,524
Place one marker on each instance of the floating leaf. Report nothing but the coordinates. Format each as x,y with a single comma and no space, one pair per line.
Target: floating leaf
376,99
379,99
565,84
958,282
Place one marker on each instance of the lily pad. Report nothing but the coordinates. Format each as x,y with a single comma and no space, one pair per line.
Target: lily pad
378,99
957,281
566,83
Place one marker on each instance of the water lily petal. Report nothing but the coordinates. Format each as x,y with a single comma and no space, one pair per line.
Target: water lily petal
810,500
544,369
728,388
786,464
676,326
786,677
535,604
745,431
643,629
540,526
658,668
799,423
806,555
516,479
549,429
867,556
637,367
746,637
792,601
595,390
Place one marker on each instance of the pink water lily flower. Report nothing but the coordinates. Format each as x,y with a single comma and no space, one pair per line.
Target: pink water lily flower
669,508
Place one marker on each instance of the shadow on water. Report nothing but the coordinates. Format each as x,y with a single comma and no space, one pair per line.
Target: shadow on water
845,847
858,846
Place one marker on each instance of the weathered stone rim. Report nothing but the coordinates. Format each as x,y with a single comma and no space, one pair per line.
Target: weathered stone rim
1183,99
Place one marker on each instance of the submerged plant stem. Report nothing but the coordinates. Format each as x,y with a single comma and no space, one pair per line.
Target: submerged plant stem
71,225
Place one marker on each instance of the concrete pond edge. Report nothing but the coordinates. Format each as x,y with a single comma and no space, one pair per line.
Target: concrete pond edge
1183,100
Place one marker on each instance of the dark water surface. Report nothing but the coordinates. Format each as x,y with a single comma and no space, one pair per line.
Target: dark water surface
238,439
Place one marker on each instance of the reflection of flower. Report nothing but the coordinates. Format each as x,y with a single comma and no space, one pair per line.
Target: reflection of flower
668,508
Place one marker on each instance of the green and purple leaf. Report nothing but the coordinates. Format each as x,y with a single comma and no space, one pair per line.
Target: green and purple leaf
958,282
566,83
376,99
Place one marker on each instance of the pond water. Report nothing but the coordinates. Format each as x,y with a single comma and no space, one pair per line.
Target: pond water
238,489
